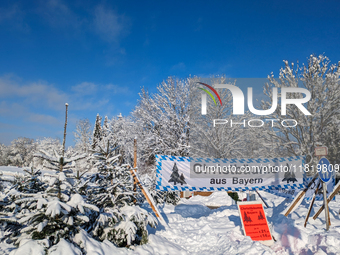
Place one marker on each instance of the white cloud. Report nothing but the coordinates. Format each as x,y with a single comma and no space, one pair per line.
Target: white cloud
57,13
115,89
37,93
110,25
39,107
44,119
18,111
179,67
85,88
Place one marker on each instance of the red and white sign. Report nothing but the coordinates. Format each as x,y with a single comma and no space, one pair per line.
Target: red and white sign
254,222
321,151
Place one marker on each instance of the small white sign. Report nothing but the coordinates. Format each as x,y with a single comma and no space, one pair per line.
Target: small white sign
321,151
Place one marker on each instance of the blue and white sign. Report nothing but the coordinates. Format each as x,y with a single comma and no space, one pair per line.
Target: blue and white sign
324,170
211,174
292,193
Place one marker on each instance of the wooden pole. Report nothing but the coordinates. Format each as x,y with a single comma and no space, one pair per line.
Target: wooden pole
325,202
301,195
135,165
135,153
61,160
148,198
261,198
311,203
331,196
63,149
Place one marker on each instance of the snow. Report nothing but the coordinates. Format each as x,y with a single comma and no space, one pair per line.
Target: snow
215,199
55,208
93,247
193,228
29,247
7,171
64,247
77,201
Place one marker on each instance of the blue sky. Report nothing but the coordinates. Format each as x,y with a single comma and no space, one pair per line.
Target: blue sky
96,55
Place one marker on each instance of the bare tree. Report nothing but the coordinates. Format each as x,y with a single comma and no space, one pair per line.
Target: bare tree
322,80
83,135
162,121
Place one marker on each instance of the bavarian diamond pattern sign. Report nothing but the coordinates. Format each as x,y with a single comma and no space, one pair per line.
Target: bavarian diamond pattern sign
211,174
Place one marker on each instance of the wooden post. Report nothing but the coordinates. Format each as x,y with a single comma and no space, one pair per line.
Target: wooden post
312,203
301,195
148,198
135,165
261,198
325,202
63,149
331,196
61,160
135,153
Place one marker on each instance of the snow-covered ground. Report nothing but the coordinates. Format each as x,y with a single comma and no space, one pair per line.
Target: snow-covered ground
193,228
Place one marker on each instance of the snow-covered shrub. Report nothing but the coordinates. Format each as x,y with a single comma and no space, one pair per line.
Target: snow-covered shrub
169,197
160,197
31,182
54,219
119,220
132,229
58,212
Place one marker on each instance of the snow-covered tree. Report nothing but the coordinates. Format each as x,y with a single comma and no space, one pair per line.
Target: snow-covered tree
106,127
322,80
123,131
31,183
20,199
55,213
97,132
4,155
119,220
160,197
224,140
114,180
48,145
162,120
21,151
83,135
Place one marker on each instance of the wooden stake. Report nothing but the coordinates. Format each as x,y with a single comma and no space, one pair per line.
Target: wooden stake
262,198
135,153
148,198
134,166
301,195
63,151
311,203
325,202
61,160
331,196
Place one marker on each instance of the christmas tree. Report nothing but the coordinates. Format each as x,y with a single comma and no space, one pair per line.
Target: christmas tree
175,177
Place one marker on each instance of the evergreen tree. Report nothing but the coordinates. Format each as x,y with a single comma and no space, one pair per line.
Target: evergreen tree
160,197
56,213
175,177
106,127
119,220
97,132
83,135
31,182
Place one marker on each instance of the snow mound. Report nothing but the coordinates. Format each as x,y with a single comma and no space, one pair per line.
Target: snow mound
64,248
93,247
159,245
29,247
219,198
